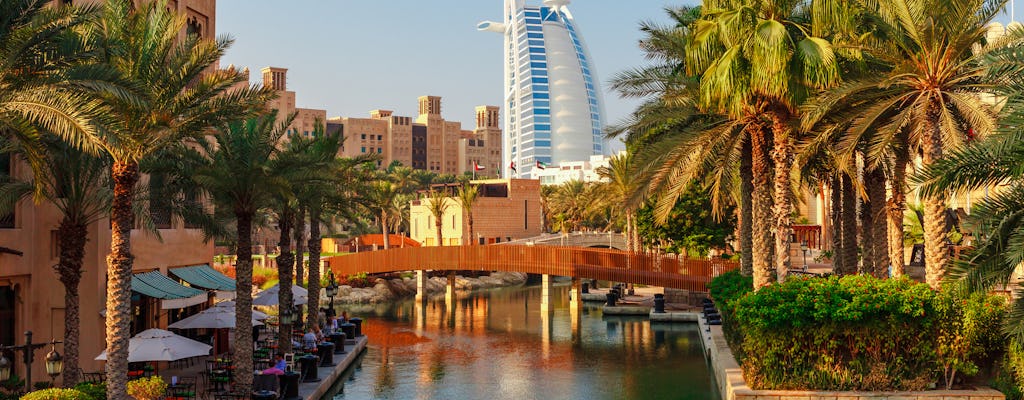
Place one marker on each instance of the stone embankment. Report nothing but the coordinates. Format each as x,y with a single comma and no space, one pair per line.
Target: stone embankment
387,290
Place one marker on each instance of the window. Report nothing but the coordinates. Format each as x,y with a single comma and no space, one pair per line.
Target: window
362,149
380,150
380,137
363,136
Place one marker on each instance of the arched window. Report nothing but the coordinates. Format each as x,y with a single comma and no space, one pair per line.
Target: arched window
193,27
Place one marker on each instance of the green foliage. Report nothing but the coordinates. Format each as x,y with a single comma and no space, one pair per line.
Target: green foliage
13,383
360,280
56,394
967,336
97,391
691,225
725,289
849,333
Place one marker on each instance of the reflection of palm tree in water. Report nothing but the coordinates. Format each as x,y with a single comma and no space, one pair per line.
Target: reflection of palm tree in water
385,376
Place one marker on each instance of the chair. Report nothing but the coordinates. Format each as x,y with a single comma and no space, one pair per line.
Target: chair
289,361
94,377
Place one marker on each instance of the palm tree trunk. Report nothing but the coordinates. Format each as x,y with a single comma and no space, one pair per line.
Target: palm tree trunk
879,227
119,274
299,231
73,237
762,208
438,224
867,236
783,157
243,304
849,216
284,278
836,212
895,209
746,210
314,266
936,253
384,229
469,221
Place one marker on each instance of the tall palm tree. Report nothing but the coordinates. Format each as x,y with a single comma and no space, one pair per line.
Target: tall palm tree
468,194
237,176
622,186
762,59
381,195
77,184
437,205
176,97
929,100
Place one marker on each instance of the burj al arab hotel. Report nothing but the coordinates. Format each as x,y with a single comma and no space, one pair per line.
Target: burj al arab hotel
554,110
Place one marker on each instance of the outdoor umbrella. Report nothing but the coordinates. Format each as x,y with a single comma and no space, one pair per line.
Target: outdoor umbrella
255,313
269,297
161,345
212,318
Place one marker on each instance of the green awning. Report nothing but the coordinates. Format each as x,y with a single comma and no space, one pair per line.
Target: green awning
171,293
205,277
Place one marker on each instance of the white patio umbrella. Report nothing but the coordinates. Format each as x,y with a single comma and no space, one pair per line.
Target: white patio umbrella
256,314
161,345
269,297
211,318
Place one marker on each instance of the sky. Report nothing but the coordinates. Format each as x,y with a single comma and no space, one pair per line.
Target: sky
353,56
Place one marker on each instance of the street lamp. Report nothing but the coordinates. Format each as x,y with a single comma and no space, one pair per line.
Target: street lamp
54,362
285,317
332,289
28,351
804,248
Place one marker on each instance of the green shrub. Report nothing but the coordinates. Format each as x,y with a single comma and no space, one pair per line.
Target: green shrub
725,289
97,391
56,394
968,337
849,333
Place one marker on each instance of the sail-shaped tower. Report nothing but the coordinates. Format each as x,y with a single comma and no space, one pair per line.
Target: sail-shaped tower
554,110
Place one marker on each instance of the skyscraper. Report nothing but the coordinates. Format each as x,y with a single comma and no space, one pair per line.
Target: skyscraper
554,111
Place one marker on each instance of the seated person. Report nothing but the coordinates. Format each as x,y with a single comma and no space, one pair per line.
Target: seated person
333,324
309,341
279,362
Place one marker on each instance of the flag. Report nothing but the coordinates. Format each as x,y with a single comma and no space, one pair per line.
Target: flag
513,166
541,165
478,167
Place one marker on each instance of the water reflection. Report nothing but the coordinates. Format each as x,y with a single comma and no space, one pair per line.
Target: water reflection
501,344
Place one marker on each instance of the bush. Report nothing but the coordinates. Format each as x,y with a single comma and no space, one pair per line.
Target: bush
849,333
725,289
97,391
968,335
56,394
360,280
147,388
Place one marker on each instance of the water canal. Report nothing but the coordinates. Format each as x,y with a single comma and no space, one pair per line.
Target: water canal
497,344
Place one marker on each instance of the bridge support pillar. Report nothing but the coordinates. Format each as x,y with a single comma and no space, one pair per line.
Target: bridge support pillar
575,309
449,292
421,283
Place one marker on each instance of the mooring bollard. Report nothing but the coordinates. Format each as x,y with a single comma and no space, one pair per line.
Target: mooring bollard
585,287
359,326
610,298
659,303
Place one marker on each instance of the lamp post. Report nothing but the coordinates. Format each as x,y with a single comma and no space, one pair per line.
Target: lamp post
284,318
54,362
804,248
332,289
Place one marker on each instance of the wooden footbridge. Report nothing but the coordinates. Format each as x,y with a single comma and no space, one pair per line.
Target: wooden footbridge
591,263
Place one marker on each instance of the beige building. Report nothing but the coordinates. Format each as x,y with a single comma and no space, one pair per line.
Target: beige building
32,297
506,209
305,118
428,142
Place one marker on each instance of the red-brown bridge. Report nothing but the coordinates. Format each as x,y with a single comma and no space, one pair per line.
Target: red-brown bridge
592,263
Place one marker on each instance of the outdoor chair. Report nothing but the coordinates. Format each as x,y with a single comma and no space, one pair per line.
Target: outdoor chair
94,377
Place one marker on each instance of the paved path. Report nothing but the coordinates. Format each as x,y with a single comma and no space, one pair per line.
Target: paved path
327,375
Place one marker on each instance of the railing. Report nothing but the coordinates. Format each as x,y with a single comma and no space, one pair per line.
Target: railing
603,264
808,233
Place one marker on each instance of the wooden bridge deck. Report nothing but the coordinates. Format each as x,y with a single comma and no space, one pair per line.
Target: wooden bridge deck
593,263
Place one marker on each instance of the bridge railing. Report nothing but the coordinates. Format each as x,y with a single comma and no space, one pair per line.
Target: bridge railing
603,264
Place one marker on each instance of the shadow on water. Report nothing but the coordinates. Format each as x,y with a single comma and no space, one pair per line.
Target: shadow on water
500,344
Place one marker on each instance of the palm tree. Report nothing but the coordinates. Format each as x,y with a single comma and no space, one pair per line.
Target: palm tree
930,98
236,175
49,94
437,204
468,194
758,59
176,97
381,195
76,183
622,186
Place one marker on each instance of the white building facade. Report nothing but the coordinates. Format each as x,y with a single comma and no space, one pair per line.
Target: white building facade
555,112
566,171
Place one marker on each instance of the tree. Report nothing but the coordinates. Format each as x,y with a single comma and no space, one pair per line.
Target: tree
380,198
77,184
236,175
437,204
762,60
691,226
929,99
468,194
621,188
175,97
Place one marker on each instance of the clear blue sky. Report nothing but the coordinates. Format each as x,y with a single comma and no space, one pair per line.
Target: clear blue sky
352,56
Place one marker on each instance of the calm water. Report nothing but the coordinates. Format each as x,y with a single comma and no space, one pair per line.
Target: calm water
496,344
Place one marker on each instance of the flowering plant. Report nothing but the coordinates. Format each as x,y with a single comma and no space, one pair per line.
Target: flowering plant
147,388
